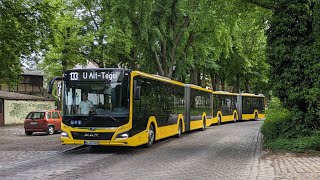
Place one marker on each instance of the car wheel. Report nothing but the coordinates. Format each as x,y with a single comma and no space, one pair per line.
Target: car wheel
50,130
28,133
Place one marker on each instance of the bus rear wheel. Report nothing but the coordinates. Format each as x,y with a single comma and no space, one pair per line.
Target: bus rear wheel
179,129
151,136
256,116
203,125
219,120
234,118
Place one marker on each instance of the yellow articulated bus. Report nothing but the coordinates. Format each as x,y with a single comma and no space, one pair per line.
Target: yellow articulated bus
120,107
232,106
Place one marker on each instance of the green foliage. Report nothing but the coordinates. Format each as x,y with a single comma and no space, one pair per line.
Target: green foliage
23,23
293,53
301,144
278,121
67,45
177,39
282,132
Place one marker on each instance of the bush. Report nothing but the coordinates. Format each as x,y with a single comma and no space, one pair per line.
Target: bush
281,133
302,144
278,121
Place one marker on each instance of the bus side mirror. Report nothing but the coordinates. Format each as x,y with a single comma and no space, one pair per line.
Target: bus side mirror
50,85
136,91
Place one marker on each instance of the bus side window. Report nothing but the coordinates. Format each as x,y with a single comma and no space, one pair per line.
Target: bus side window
137,90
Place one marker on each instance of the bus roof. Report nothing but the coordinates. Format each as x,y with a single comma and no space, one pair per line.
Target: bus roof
198,87
157,77
250,94
224,92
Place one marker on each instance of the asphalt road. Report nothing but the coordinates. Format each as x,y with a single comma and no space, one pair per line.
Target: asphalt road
228,151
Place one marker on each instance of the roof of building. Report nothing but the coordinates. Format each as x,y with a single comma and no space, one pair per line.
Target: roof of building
18,96
32,73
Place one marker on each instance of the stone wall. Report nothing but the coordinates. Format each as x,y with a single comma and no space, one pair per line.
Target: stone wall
15,111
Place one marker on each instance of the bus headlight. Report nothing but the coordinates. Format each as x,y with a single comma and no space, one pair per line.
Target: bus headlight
64,134
123,135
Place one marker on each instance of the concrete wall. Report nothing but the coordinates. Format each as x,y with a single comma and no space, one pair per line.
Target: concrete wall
15,111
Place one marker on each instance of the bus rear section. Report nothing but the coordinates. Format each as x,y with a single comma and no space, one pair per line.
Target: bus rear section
252,106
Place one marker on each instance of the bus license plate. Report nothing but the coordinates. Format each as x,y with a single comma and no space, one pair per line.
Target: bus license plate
91,143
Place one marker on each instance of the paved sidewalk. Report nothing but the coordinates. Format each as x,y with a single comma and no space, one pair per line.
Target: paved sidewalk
288,166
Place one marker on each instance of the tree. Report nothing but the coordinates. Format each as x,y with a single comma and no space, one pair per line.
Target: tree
23,24
293,39
68,43
243,68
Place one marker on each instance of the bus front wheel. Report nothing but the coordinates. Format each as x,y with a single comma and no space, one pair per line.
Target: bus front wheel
151,136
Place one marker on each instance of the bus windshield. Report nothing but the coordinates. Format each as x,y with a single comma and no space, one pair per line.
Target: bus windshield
106,98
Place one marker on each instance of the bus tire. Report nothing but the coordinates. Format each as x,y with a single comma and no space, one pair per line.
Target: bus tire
256,116
179,129
151,136
235,118
203,124
219,119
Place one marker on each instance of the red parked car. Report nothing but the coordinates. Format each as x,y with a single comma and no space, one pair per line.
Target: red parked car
48,121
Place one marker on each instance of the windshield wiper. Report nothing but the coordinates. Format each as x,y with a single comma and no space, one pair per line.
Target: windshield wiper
114,119
71,118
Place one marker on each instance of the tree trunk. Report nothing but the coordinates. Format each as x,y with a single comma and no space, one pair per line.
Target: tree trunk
223,86
213,81
237,86
203,80
198,79
132,60
247,85
194,76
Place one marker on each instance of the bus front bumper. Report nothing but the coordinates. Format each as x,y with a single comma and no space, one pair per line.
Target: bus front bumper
136,140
